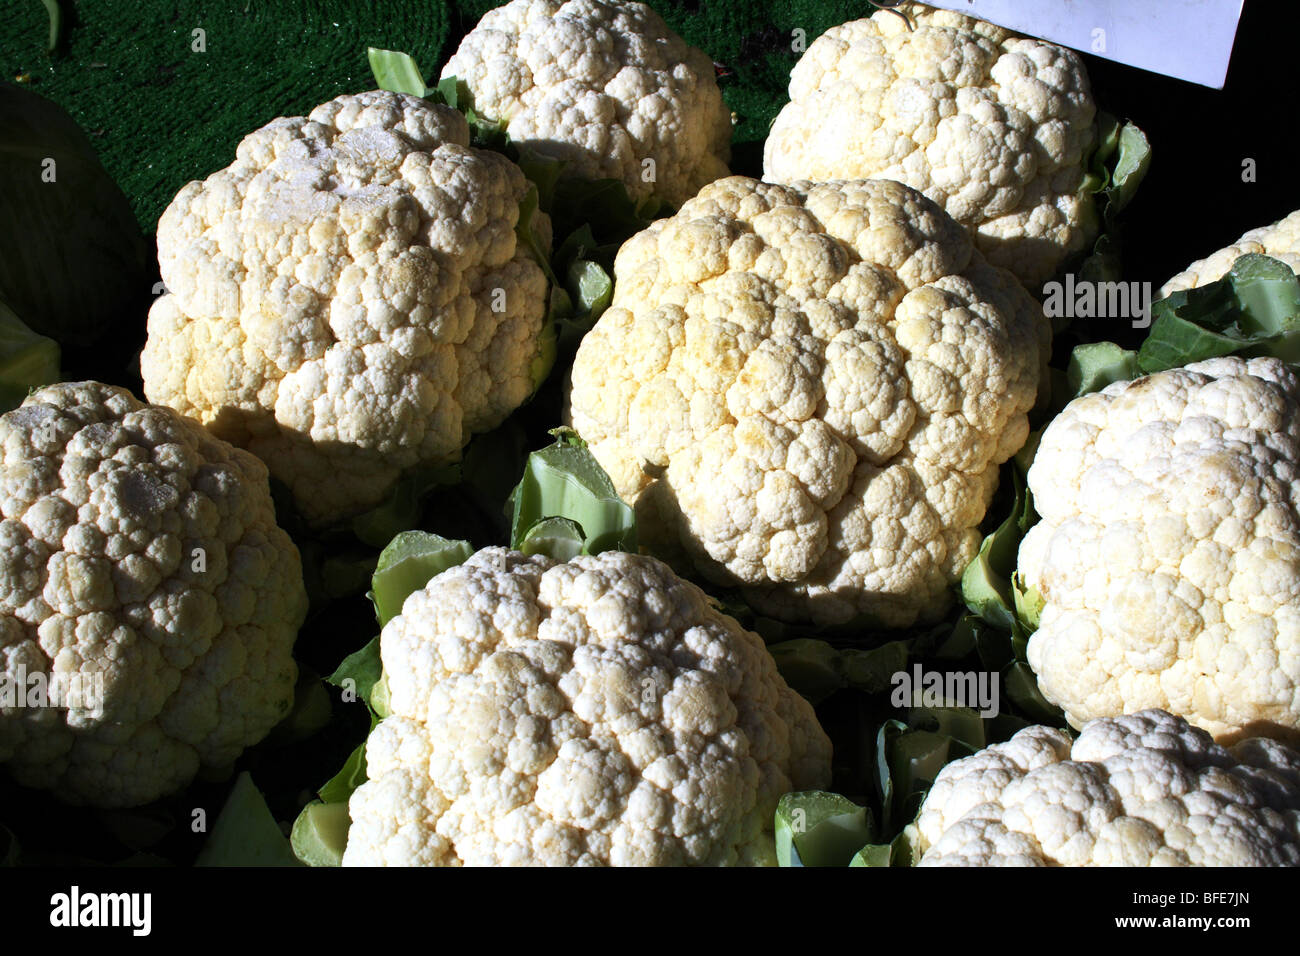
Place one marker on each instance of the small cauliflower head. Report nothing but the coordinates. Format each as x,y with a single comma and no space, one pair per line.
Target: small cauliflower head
994,127
1280,240
599,711
349,298
806,392
148,601
1147,789
1168,550
604,85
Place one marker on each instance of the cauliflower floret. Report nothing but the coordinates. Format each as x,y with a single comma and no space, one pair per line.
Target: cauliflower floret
807,390
993,126
599,711
1142,790
349,298
147,597
1168,552
605,85
1280,240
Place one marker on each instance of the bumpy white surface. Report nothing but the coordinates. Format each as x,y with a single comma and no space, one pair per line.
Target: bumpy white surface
1281,240
1141,790
806,390
349,298
141,555
605,85
595,712
993,126
1168,552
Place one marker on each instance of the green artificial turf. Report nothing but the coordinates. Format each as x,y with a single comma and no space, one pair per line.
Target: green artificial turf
161,113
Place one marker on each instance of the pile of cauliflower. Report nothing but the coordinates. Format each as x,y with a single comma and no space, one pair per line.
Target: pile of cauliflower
148,600
1140,790
805,386
595,711
807,391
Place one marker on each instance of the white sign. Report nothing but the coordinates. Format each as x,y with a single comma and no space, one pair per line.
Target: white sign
1187,39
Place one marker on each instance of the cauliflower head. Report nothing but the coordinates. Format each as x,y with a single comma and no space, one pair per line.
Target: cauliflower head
605,85
1142,790
994,127
1168,553
349,298
1280,240
147,597
599,711
806,391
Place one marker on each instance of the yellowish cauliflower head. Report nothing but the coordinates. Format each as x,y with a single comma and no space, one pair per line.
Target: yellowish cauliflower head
595,712
993,126
1280,240
605,85
810,388
1142,790
348,299
146,596
1168,552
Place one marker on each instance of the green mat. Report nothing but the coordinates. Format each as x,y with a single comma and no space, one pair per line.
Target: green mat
162,112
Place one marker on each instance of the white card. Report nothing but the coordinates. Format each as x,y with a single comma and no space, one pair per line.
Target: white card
1187,39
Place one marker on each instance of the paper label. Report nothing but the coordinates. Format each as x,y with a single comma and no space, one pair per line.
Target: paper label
1187,39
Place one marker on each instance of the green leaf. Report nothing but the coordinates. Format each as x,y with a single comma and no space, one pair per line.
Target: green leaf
814,828
915,759
816,669
547,350
527,233
451,91
886,789
76,260
320,834
401,510
1268,295
340,787
1132,160
591,288
345,574
492,464
55,13
1029,603
602,204
1118,164
986,582
908,756
960,642
311,711
1253,310
397,72
1175,341
901,851
359,671
987,585
962,724
564,480
1094,365
1022,690
559,538
245,833
411,560
544,173
27,360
